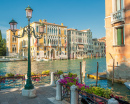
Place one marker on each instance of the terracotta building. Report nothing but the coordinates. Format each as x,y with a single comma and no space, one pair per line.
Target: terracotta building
117,24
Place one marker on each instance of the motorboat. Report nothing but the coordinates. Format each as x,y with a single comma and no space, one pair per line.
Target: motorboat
127,84
39,59
79,57
46,59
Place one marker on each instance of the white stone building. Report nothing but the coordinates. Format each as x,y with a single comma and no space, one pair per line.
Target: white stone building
79,43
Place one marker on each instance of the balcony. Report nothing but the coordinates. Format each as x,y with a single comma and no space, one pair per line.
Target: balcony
39,44
117,16
24,46
80,50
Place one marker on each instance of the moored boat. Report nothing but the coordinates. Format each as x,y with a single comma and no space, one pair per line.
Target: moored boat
127,84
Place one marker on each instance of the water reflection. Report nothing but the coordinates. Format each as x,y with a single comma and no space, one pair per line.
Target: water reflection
20,67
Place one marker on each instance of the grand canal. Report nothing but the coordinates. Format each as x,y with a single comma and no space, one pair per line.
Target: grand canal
73,66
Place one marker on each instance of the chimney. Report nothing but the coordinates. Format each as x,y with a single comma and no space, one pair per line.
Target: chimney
40,20
62,24
44,20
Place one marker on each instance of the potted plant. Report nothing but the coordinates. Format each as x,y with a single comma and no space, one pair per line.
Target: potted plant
46,72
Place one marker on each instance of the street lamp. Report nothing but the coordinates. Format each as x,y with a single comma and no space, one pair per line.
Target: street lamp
28,88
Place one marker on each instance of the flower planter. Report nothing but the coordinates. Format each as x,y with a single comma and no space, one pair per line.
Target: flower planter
100,100
64,85
68,87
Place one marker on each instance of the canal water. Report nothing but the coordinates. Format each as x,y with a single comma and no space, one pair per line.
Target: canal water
66,66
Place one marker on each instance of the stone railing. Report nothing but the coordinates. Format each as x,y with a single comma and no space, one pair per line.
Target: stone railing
117,16
24,46
39,44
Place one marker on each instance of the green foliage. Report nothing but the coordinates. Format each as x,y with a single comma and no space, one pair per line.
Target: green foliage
99,91
9,75
46,72
70,83
60,72
32,73
2,46
72,75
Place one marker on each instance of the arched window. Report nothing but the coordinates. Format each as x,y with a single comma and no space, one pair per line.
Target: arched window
44,40
56,31
52,30
36,28
59,31
15,49
48,41
48,30
12,49
15,39
52,42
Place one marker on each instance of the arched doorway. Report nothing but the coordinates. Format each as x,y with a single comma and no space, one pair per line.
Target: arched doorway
52,53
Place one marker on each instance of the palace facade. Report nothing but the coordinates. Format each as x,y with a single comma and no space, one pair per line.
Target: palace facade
117,24
52,45
79,43
99,48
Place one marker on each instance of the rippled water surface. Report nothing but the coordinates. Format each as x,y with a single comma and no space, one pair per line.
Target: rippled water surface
73,66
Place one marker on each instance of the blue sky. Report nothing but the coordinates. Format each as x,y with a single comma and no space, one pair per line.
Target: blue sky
78,14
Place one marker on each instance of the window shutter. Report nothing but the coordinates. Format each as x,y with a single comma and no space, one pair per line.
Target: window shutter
122,36
119,40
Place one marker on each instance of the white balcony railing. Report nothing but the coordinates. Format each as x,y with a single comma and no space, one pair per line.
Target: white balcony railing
24,46
117,16
80,50
39,44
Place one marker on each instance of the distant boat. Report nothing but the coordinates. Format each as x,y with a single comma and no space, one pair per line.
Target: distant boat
46,59
39,59
79,57
127,84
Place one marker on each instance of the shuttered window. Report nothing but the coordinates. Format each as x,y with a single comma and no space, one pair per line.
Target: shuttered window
120,36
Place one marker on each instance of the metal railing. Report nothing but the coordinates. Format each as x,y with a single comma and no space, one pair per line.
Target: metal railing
65,93
19,81
11,82
90,98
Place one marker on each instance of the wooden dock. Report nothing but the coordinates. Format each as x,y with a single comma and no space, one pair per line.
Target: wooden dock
101,75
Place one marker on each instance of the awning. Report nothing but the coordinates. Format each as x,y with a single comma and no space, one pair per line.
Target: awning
81,46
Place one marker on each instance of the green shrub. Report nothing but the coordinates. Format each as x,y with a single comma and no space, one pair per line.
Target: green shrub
72,75
60,72
9,75
32,73
46,72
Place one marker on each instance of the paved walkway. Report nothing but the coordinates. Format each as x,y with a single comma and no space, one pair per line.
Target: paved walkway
45,95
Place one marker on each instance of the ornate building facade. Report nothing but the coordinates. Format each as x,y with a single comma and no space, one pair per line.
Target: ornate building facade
79,43
11,44
99,48
53,44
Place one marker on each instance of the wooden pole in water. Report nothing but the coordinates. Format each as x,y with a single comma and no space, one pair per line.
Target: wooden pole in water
113,73
80,74
97,75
